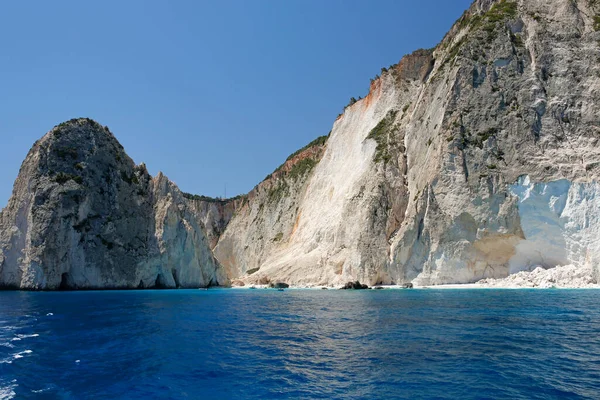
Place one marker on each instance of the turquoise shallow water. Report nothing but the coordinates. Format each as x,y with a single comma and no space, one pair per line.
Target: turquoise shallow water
215,344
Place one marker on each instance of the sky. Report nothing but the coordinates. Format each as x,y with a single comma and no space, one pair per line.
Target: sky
215,94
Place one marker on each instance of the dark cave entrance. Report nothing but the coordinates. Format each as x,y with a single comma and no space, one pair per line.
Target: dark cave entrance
66,282
160,282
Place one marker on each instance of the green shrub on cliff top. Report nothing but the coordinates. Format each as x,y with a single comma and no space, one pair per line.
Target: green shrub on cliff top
209,199
301,168
487,22
501,11
320,141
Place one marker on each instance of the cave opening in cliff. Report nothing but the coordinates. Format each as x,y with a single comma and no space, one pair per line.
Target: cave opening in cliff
66,283
160,282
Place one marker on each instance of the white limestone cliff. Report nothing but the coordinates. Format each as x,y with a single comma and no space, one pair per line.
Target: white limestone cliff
424,180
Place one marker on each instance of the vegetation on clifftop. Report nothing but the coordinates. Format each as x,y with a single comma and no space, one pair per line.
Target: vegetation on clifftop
499,12
209,199
298,170
488,22
58,129
320,141
301,168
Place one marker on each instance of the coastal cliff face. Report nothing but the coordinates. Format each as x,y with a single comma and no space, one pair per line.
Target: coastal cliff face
515,101
267,216
83,215
213,214
474,160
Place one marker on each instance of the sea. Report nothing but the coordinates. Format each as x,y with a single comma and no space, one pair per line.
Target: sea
300,344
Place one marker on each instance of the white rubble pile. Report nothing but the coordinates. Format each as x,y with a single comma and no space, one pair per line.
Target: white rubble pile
565,276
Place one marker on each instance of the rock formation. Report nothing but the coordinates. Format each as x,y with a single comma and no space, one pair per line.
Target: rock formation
214,214
83,215
473,160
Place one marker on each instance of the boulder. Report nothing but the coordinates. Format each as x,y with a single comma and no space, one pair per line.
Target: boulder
355,285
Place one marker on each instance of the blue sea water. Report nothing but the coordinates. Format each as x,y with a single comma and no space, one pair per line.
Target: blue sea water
298,344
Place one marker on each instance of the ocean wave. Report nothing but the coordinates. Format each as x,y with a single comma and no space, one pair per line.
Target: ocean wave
7,390
21,337
15,356
20,354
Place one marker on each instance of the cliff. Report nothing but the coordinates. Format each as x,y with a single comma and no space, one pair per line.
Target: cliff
474,160
266,218
83,216
214,214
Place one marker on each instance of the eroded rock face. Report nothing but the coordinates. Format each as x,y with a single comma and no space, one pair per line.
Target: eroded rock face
215,214
420,180
266,218
513,94
470,161
83,215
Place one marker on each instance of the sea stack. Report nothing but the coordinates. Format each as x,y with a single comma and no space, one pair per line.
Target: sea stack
83,216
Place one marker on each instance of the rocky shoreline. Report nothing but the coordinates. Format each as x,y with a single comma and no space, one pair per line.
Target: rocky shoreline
560,277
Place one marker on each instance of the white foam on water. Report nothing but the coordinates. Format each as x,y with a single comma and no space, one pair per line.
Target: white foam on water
20,337
41,390
7,390
49,314
21,354
15,356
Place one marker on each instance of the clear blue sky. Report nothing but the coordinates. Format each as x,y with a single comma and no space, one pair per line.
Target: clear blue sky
212,93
